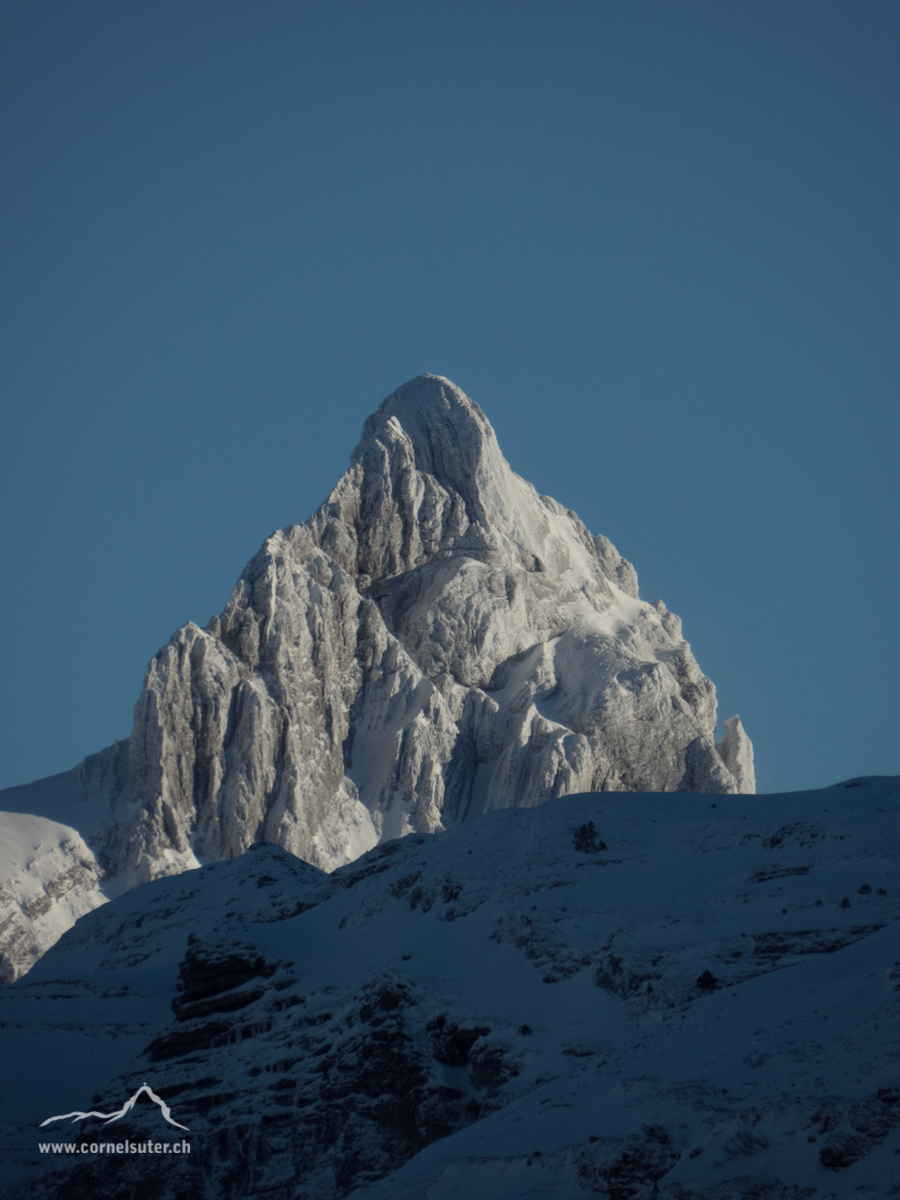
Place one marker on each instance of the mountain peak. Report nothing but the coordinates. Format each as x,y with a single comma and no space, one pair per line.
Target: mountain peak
448,432
437,641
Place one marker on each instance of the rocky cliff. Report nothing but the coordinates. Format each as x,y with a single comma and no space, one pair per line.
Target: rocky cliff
436,642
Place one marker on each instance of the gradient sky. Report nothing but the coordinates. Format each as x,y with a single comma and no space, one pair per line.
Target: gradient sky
656,241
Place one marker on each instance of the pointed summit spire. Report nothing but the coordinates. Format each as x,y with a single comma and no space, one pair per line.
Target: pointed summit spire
449,434
436,641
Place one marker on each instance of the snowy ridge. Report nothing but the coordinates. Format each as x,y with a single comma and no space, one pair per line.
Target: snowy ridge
436,642
674,995
48,878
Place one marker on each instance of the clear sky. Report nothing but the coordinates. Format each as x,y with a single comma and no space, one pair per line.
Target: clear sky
656,241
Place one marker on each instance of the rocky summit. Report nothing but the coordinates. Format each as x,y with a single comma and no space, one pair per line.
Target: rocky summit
438,641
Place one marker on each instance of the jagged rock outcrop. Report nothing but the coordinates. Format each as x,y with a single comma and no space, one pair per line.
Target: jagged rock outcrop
736,751
49,879
437,641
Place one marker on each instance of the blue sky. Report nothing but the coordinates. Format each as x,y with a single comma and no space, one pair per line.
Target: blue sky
656,241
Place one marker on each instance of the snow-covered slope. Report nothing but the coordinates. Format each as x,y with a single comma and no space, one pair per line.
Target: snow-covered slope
689,996
436,642
48,878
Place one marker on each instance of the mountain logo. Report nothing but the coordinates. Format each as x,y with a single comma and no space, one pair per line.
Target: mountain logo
108,1118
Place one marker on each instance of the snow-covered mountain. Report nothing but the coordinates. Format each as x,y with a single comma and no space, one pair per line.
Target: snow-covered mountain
693,997
436,642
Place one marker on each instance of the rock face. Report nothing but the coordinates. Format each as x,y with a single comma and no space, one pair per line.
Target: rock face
49,879
736,751
436,642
